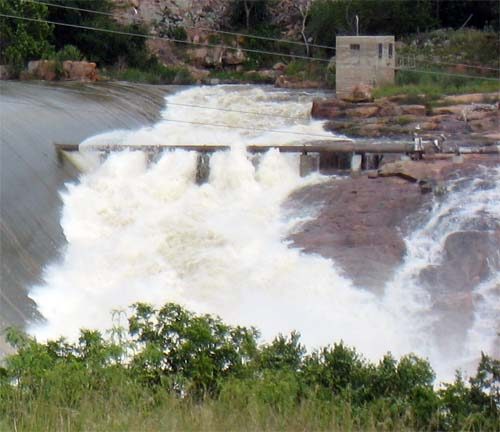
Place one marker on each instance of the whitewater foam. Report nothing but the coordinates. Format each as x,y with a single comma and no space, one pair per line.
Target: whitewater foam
144,231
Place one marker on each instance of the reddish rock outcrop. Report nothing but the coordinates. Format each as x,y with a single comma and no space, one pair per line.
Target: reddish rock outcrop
358,223
50,70
296,83
41,69
80,70
362,221
360,93
391,117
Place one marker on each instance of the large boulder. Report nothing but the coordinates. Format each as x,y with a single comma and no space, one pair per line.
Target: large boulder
328,108
42,69
210,57
360,224
470,98
4,72
413,170
388,108
363,111
360,93
416,110
296,83
234,57
80,70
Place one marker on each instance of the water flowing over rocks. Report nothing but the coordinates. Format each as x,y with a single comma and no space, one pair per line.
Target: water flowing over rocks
362,221
249,244
469,259
361,225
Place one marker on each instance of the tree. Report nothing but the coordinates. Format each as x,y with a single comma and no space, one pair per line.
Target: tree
251,13
21,41
101,47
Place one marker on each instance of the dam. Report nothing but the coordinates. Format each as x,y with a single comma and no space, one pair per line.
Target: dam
129,229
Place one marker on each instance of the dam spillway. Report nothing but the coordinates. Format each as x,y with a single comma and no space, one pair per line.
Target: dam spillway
141,231
32,115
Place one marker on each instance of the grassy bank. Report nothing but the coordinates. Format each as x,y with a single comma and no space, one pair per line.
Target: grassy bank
434,84
157,74
172,369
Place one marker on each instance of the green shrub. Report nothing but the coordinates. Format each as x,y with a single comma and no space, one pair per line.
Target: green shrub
174,369
69,52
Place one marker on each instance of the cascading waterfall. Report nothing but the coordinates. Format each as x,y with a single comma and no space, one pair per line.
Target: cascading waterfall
144,231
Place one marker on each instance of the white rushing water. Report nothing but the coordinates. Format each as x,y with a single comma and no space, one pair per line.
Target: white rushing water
144,231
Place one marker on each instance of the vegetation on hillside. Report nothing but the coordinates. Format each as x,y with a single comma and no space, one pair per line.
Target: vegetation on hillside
172,369
419,25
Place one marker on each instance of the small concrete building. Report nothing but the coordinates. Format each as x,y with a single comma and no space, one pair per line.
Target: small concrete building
364,60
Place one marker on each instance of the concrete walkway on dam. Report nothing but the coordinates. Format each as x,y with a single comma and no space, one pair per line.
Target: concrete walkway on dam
32,116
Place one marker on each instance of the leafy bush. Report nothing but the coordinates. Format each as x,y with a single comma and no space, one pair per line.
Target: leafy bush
177,370
68,52
21,41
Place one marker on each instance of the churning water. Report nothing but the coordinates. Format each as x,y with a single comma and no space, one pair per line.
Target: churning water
145,231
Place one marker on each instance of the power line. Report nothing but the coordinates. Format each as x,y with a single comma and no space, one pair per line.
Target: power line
219,125
145,36
251,36
236,111
459,64
449,74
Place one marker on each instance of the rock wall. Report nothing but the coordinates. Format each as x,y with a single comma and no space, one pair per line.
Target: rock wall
50,70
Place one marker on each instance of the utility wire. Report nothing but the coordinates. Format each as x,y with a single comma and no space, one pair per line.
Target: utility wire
221,46
448,74
145,36
219,125
458,64
237,111
251,36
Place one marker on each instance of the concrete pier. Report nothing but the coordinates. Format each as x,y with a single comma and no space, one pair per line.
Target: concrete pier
356,161
202,168
308,164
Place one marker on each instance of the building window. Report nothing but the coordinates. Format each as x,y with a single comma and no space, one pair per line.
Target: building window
355,47
380,50
390,50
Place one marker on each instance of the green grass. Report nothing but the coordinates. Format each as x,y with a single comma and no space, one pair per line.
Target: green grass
432,87
162,411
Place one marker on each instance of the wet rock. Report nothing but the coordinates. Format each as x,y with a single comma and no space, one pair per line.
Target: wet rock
360,226
469,258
